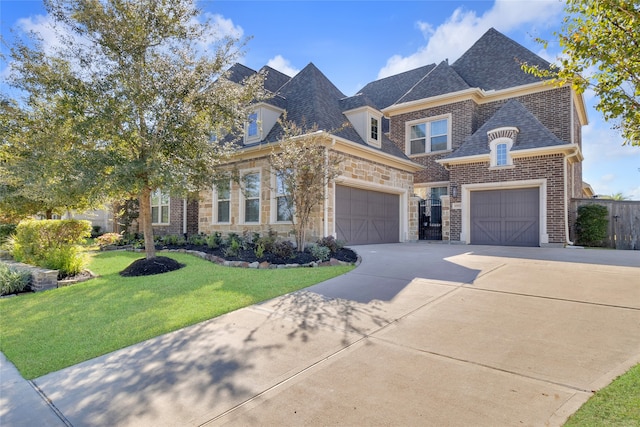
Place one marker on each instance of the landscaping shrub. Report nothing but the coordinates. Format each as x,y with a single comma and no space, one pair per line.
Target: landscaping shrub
51,242
331,243
6,230
108,239
591,225
214,240
13,280
284,249
322,253
69,260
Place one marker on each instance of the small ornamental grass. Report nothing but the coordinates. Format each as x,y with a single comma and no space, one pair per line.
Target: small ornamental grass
12,279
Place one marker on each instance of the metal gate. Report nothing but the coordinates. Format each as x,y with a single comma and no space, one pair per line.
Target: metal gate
430,214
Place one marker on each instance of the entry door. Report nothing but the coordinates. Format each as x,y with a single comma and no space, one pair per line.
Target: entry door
505,217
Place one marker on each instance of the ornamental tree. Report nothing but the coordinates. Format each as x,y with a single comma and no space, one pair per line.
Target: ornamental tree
304,166
141,84
600,41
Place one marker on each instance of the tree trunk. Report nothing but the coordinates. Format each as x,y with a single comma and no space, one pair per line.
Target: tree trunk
48,214
144,199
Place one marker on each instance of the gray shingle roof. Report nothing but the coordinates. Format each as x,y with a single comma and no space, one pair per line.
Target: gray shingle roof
238,72
274,79
440,80
494,62
389,90
532,133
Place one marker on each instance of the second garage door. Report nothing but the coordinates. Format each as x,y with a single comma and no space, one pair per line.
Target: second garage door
367,217
505,217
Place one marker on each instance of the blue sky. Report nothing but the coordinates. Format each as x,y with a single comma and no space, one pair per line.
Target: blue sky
355,42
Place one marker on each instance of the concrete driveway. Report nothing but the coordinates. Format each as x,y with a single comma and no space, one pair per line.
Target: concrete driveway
418,334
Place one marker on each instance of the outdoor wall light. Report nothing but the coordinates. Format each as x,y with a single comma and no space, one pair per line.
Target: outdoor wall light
454,189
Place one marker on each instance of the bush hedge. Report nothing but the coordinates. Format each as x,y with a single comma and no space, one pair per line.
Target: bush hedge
52,244
591,225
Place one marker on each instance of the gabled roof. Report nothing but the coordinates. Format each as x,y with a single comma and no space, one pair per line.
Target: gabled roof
274,79
532,133
494,63
387,91
238,72
440,80
310,98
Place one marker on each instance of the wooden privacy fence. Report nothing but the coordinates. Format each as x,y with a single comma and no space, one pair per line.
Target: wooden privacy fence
624,221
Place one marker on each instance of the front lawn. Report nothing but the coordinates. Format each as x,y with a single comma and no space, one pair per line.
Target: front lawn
48,331
618,404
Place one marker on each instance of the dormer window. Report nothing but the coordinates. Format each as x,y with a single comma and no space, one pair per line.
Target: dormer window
252,125
501,154
374,128
501,141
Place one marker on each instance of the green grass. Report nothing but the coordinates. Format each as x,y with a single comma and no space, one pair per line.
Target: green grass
48,331
618,404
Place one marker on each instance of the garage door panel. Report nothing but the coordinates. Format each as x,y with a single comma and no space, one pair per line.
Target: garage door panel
366,216
505,217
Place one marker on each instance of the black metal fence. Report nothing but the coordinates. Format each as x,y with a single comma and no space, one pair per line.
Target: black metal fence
430,215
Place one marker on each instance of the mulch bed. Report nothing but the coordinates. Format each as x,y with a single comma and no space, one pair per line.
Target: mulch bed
147,267
160,264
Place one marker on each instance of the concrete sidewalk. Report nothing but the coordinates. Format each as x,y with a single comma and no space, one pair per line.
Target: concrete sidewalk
418,334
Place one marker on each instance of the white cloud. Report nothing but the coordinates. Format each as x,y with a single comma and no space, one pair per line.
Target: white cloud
450,39
283,65
43,26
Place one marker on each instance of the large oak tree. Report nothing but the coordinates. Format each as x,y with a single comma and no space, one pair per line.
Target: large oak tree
141,84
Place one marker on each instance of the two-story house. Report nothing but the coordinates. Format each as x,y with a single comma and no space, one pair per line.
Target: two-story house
478,151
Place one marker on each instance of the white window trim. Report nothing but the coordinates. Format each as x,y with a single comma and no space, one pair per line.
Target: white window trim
258,136
242,197
407,132
493,146
214,205
160,208
273,214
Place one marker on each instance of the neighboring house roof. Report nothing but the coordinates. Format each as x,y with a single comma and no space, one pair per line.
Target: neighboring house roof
494,63
387,91
532,133
439,80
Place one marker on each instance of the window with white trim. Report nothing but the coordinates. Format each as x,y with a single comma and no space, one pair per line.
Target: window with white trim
159,207
252,125
222,202
283,202
429,136
501,152
251,199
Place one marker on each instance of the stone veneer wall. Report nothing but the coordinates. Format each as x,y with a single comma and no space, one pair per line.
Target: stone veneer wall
355,171
549,167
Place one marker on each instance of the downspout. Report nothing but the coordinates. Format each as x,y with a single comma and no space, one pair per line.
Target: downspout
325,213
184,216
566,197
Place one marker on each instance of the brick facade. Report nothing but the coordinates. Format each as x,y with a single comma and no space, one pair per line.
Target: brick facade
176,218
549,168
